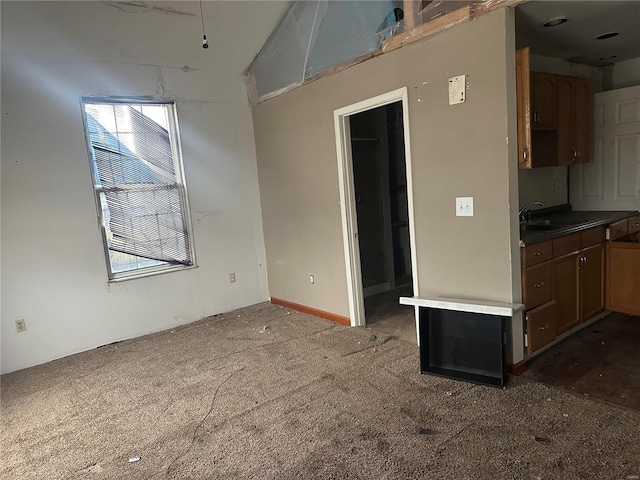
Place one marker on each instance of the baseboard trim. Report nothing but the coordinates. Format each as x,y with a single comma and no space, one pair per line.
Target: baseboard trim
516,369
312,311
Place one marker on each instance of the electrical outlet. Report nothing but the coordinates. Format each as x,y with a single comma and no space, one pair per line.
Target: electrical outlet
21,325
557,186
232,277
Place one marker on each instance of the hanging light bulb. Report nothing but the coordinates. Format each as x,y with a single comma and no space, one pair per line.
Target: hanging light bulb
205,42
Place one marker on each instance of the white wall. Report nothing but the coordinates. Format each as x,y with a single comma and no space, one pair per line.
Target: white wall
53,266
626,73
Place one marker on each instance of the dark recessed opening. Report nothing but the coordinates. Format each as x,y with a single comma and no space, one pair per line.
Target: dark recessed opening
555,21
604,36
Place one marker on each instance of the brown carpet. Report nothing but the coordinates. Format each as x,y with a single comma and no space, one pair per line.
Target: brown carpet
302,398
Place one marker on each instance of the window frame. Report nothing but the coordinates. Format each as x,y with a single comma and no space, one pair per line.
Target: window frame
176,152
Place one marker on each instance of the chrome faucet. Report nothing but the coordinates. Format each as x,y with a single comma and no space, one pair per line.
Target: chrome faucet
524,210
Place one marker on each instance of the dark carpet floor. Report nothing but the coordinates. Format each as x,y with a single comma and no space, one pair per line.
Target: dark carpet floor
268,393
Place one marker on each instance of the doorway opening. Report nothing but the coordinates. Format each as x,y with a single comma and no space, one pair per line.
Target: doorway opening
376,196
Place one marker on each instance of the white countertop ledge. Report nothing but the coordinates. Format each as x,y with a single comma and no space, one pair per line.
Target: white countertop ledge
465,305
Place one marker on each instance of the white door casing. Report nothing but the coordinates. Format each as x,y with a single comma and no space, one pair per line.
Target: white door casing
348,201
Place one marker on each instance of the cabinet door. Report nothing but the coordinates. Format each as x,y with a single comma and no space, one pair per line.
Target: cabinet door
537,285
543,100
623,277
541,326
523,95
582,119
591,266
565,292
566,149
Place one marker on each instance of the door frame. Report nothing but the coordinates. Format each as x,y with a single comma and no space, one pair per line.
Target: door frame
348,200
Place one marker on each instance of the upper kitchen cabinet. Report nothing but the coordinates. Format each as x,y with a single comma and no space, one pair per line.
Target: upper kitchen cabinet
554,117
536,105
543,101
574,120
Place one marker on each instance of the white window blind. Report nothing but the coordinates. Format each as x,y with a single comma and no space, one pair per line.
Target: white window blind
138,183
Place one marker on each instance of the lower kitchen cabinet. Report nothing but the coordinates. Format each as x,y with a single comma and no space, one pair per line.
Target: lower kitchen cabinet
566,291
591,263
541,326
587,274
623,276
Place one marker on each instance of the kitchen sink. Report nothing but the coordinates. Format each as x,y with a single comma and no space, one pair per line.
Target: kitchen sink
545,224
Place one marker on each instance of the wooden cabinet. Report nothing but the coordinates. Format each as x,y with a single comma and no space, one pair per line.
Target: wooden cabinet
623,277
537,295
582,119
523,97
578,277
537,286
623,267
536,109
574,120
591,263
619,229
562,284
554,117
541,326
566,291
543,101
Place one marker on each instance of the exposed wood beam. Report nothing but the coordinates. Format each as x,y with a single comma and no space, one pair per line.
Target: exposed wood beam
410,13
440,24
482,8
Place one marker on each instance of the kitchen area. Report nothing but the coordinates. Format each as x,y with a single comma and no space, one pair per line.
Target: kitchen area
578,106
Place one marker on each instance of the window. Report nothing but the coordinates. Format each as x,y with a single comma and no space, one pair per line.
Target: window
138,182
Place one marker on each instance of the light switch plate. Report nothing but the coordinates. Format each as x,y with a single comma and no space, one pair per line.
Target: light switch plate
464,206
457,89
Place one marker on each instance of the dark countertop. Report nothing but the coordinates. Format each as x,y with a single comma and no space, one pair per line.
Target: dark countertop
569,221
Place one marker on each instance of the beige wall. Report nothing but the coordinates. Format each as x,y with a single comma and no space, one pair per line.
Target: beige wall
458,150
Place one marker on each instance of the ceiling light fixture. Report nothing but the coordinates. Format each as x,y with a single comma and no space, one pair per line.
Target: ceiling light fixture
552,22
604,36
205,42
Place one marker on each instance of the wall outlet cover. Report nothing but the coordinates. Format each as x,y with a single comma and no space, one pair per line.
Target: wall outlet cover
457,89
464,206
21,325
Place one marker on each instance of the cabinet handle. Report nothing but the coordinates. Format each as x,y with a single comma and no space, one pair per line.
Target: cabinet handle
525,155
537,253
620,229
538,285
543,327
636,225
